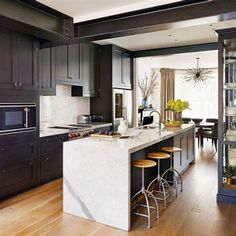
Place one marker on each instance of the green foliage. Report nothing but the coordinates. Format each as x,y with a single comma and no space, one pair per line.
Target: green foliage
177,105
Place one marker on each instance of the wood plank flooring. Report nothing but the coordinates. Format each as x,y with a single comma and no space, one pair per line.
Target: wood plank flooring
194,212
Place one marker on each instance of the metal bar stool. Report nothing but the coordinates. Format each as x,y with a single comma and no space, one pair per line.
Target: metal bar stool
159,179
145,164
176,174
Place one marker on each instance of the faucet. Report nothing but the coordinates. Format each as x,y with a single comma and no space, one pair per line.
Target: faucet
159,114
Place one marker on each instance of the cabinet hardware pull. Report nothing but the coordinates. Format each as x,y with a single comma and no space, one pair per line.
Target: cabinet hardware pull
30,163
3,149
47,158
2,171
15,84
20,84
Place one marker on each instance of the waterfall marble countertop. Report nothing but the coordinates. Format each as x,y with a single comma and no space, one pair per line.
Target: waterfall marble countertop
97,175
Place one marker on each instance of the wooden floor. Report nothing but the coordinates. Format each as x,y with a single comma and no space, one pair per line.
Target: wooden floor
194,212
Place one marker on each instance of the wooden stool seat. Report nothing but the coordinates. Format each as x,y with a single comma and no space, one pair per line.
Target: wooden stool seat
158,155
171,149
143,163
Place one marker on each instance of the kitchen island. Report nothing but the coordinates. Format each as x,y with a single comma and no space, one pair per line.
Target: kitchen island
98,180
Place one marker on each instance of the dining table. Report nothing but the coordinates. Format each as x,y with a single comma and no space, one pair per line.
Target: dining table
200,126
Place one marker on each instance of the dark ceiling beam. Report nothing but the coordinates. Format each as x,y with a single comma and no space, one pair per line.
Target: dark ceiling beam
171,16
36,19
176,50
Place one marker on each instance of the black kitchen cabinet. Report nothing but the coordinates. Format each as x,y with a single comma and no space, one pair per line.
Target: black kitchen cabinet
122,69
18,168
51,157
47,83
89,59
18,62
25,61
65,64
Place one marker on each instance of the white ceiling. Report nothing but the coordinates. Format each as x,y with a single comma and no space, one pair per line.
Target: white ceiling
208,59
171,38
83,10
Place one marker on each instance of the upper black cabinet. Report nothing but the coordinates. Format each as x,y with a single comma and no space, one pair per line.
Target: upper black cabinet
47,83
18,61
121,69
65,64
89,59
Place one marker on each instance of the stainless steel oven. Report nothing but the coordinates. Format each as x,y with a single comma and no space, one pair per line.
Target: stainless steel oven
16,117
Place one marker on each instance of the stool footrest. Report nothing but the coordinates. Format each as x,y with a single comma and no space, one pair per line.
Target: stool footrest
156,193
141,214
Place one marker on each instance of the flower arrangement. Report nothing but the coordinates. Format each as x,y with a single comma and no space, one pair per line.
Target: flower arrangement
147,86
177,105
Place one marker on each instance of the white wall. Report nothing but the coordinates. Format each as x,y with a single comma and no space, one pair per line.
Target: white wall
62,109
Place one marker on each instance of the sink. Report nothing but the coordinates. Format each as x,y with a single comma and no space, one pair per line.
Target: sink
148,127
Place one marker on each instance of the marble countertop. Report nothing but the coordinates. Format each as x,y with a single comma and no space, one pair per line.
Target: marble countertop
54,131
139,139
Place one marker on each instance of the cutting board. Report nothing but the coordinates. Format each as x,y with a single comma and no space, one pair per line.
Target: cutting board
105,136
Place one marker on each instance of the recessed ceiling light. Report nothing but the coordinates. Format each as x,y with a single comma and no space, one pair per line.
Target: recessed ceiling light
176,40
169,35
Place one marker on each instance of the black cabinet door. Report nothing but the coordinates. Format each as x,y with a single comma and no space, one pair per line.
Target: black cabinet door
6,80
18,168
117,69
73,65
25,61
51,157
47,82
16,178
88,73
59,64
126,79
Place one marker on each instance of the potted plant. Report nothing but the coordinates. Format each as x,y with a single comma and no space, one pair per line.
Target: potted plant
176,106
147,86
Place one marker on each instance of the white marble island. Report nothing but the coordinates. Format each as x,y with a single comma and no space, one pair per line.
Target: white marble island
97,174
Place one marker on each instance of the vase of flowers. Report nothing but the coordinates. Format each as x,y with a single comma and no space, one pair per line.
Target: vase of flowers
147,86
177,107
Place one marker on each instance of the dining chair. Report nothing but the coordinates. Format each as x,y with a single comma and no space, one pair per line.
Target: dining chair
210,120
213,135
186,120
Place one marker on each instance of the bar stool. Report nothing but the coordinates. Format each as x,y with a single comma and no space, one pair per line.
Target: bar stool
172,150
159,179
145,164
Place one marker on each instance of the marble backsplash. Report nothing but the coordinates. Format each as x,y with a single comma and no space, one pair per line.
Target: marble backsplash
62,109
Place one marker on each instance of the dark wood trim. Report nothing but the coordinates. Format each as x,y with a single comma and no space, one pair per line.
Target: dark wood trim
36,19
176,50
188,13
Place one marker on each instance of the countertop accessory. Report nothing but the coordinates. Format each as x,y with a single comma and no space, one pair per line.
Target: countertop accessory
84,119
230,111
123,127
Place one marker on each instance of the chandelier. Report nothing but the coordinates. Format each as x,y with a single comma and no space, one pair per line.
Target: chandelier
197,75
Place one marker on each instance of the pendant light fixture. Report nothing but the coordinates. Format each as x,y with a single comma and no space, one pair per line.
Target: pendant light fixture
197,75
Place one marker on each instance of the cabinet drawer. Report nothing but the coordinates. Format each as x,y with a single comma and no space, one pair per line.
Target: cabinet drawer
17,178
52,144
15,154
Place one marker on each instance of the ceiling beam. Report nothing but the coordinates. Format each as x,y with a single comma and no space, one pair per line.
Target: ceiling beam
36,19
171,16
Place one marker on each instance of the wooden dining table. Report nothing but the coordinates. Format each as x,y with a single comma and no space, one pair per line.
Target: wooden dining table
201,127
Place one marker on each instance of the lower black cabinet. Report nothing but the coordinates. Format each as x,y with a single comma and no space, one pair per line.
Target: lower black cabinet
51,157
18,168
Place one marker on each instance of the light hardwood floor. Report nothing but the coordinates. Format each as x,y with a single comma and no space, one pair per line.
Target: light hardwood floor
194,212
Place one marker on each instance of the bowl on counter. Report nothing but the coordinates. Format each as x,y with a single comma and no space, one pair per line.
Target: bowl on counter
197,120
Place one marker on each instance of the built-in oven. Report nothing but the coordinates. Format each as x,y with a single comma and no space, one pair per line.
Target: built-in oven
17,117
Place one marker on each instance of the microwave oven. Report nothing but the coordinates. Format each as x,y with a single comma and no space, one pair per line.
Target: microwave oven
15,118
